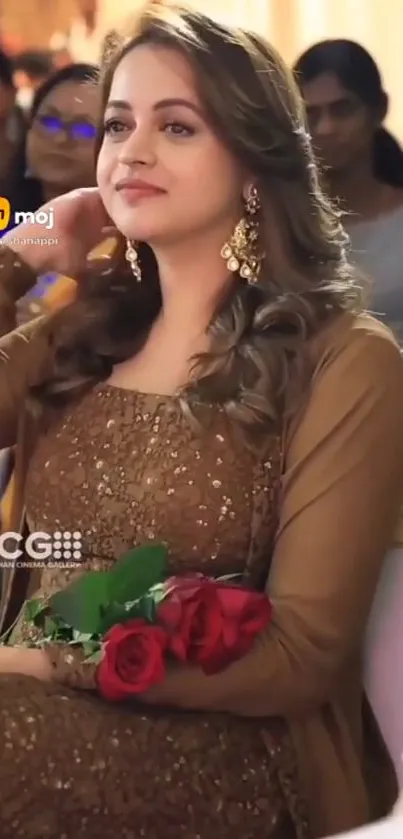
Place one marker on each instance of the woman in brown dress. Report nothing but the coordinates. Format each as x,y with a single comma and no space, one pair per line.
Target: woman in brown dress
278,454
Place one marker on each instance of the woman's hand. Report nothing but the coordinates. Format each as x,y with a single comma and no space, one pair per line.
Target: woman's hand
184,687
80,222
25,662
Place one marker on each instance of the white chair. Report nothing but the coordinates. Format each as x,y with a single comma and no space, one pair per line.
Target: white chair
384,658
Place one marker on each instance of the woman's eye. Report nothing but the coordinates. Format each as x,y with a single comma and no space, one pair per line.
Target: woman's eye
114,126
178,129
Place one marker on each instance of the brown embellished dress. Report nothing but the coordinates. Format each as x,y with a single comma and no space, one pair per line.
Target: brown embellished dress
123,469
238,753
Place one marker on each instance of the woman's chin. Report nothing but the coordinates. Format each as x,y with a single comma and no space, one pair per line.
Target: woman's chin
139,224
151,234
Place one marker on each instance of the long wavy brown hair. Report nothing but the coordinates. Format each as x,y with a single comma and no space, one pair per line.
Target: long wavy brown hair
259,334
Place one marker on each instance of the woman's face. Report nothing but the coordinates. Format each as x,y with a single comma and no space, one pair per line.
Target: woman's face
341,126
61,140
162,173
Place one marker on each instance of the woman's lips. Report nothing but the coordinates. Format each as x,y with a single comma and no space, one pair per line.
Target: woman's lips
133,191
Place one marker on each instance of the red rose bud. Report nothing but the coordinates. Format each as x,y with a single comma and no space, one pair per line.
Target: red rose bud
211,623
133,660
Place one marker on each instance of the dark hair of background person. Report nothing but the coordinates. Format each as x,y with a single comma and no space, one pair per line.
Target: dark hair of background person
37,64
260,331
26,191
357,72
12,123
6,70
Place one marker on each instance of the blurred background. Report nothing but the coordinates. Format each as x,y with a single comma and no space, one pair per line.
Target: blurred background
77,27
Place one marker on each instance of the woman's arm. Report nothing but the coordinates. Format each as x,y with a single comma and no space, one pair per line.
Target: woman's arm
22,353
80,223
56,662
25,661
342,491
16,279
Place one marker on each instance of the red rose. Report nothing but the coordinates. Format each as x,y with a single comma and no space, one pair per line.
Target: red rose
133,659
211,623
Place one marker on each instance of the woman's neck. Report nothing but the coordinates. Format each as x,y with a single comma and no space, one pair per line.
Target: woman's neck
194,280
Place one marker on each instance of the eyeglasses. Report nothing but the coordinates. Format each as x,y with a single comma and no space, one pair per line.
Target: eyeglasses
75,129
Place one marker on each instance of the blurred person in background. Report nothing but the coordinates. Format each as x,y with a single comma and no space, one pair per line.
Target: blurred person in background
11,123
346,108
31,69
59,149
58,156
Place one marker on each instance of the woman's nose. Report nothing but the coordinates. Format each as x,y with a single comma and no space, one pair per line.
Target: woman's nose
138,148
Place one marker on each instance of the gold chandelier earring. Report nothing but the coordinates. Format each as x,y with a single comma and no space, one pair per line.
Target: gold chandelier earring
242,253
133,259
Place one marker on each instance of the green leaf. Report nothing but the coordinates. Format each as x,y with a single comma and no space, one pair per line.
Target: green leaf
144,607
147,608
34,609
90,648
82,637
51,627
95,658
113,613
136,571
80,605
160,591
119,613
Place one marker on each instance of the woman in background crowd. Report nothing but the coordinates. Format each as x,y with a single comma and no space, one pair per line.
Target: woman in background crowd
12,124
59,151
59,155
346,108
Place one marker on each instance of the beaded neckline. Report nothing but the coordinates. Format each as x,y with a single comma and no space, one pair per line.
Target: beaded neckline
106,388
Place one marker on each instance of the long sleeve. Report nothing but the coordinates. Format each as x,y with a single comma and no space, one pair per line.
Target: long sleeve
16,352
16,279
342,491
21,353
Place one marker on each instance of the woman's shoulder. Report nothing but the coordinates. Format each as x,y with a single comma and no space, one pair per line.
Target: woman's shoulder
356,366
355,391
355,339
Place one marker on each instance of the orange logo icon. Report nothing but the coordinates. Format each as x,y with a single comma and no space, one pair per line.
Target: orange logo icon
5,213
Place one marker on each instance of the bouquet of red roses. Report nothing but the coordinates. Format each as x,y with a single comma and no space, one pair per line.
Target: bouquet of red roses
132,620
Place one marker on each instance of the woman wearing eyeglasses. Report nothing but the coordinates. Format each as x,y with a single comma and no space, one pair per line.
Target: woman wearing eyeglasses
58,156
